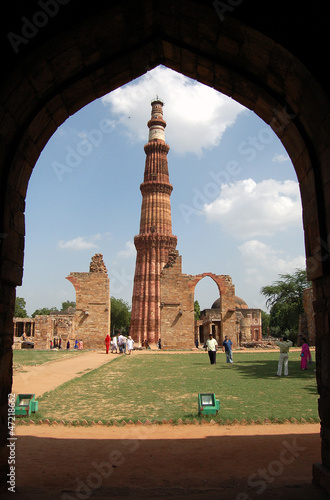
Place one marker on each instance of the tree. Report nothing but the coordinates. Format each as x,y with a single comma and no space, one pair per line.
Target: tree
43,311
197,310
285,299
265,319
20,308
67,304
120,314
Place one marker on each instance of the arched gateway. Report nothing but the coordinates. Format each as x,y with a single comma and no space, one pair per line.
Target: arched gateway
57,59
177,292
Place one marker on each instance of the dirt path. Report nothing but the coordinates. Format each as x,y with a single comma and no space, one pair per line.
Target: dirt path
193,462
46,377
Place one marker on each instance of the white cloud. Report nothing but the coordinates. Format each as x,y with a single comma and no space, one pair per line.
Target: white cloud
79,243
197,115
246,209
258,255
129,252
262,266
280,158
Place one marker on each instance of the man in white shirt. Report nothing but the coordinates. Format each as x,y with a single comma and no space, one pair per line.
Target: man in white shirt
122,343
284,344
211,345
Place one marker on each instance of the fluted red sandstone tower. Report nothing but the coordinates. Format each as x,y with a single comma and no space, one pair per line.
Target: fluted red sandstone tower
155,240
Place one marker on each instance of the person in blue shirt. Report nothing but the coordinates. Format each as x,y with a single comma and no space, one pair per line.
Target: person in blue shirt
227,347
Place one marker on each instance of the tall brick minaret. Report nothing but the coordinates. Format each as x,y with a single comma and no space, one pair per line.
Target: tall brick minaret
155,240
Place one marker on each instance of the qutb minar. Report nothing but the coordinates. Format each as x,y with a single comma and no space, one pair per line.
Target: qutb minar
155,240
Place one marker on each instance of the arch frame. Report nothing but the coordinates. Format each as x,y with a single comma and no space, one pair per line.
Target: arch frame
72,61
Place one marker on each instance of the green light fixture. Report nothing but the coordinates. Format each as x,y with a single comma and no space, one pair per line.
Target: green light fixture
207,404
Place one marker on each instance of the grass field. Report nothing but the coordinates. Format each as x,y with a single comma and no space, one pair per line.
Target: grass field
165,385
31,357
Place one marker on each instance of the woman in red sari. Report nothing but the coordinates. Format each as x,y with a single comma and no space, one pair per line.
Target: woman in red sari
107,343
305,355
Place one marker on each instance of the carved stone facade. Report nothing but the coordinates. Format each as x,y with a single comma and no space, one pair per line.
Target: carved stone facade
248,323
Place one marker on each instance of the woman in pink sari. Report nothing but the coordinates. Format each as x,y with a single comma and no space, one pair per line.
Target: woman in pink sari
305,355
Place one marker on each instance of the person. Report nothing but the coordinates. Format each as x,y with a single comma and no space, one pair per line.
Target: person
305,355
114,344
130,344
107,343
227,347
211,345
159,344
122,343
68,344
284,344
76,344
196,343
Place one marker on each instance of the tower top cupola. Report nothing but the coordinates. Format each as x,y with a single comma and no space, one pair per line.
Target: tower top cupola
157,123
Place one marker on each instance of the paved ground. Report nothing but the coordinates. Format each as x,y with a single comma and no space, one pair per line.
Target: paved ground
150,462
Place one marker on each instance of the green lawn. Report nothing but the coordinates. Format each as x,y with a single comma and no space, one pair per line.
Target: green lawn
165,385
31,357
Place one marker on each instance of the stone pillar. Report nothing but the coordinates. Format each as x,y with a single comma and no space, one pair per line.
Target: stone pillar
155,240
321,292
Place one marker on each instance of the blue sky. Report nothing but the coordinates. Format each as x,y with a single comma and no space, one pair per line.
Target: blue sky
236,205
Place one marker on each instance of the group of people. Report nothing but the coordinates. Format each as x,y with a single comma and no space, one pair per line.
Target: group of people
121,342
283,363
284,344
227,346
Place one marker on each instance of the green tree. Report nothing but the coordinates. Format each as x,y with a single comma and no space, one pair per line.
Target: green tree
265,319
20,308
285,299
67,304
120,315
44,311
197,310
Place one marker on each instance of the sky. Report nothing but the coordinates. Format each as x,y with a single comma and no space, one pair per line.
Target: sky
236,206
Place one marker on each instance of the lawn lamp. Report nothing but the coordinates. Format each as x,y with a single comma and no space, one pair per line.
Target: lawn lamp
207,404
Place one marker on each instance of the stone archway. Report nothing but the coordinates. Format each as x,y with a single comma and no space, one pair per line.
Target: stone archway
227,303
68,56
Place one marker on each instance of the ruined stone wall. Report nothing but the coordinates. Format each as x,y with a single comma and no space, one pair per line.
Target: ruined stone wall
177,306
43,331
92,319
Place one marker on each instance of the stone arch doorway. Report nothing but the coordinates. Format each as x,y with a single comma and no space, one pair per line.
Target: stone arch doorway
72,54
225,322
208,321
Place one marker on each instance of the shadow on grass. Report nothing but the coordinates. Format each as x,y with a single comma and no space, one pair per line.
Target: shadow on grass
267,369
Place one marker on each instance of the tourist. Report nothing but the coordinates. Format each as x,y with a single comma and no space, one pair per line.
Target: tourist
227,348
122,343
284,344
211,345
196,343
107,343
159,344
68,344
305,355
76,344
114,346
130,344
